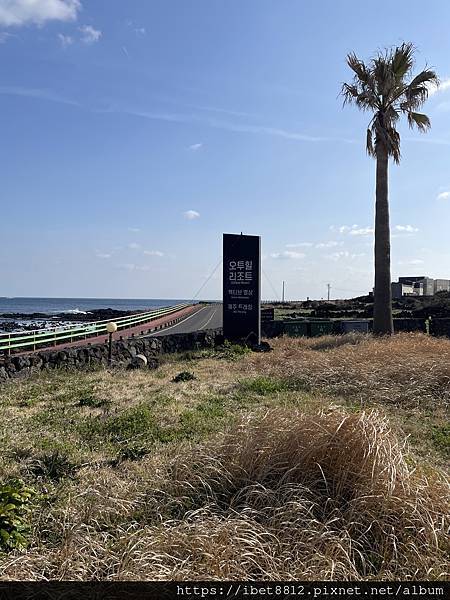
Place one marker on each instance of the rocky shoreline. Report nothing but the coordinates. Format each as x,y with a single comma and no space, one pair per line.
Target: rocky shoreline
11,322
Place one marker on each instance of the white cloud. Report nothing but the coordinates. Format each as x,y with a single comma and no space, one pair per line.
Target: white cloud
133,246
414,261
25,12
443,196
195,146
133,267
361,231
133,25
190,215
406,228
103,255
443,106
230,126
287,254
356,230
344,254
352,229
330,244
443,86
65,40
89,34
134,229
4,36
36,93
153,253
338,255
300,245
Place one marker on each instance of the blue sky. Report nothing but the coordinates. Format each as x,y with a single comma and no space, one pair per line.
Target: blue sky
133,134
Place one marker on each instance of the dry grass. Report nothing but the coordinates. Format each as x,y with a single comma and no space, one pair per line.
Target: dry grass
282,496
288,465
406,369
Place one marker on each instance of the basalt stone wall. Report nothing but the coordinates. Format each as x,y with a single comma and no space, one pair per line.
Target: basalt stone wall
271,329
440,327
123,352
409,325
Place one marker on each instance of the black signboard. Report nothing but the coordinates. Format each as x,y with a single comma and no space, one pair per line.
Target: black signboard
241,287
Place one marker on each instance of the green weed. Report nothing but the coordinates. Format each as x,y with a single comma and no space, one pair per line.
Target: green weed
15,500
441,438
52,465
184,376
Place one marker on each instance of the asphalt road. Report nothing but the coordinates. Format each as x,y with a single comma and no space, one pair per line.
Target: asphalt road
208,317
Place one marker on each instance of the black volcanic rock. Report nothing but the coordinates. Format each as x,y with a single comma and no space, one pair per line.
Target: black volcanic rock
100,314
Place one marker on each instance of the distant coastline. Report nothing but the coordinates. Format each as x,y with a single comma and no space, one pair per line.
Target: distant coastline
21,314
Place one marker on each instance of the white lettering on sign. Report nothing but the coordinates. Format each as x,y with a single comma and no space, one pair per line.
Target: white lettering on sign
240,272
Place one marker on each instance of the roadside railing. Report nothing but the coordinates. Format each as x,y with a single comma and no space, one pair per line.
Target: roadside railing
53,336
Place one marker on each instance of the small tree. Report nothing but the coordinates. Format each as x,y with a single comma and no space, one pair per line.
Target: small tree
381,87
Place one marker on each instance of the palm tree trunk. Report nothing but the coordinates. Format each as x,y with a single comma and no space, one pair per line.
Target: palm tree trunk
382,307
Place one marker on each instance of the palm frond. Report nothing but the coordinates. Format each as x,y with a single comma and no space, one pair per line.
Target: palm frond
414,97
422,122
363,98
394,144
402,60
427,76
359,68
369,143
384,77
380,86
392,114
350,92
387,136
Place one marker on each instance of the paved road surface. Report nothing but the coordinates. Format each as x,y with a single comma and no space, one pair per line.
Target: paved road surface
208,317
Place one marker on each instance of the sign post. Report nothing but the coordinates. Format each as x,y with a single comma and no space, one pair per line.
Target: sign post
242,288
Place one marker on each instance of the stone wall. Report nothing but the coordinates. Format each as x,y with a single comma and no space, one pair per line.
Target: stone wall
123,352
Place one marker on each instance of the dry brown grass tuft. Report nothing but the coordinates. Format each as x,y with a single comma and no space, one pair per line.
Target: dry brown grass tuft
410,369
326,497
282,496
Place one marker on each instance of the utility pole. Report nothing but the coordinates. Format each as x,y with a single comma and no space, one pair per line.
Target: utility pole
282,296
329,288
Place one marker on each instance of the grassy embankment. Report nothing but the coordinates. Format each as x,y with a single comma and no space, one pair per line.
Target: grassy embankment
324,459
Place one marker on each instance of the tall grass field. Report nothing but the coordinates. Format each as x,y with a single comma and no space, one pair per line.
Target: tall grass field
325,459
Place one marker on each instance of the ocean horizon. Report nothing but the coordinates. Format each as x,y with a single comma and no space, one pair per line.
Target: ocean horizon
51,306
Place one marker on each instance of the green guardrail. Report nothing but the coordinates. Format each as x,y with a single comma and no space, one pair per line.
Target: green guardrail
54,335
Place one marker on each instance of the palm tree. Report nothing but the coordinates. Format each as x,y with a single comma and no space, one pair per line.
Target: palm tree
381,87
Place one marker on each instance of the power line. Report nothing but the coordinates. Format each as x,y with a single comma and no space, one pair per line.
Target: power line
207,279
270,283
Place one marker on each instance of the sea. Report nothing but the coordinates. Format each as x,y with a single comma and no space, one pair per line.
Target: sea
76,305
60,306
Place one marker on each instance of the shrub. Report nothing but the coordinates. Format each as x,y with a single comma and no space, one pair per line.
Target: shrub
52,465
441,438
183,376
231,351
15,500
93,402
131,451
264,386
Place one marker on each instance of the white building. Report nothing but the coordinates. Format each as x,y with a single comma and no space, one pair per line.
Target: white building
419,286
